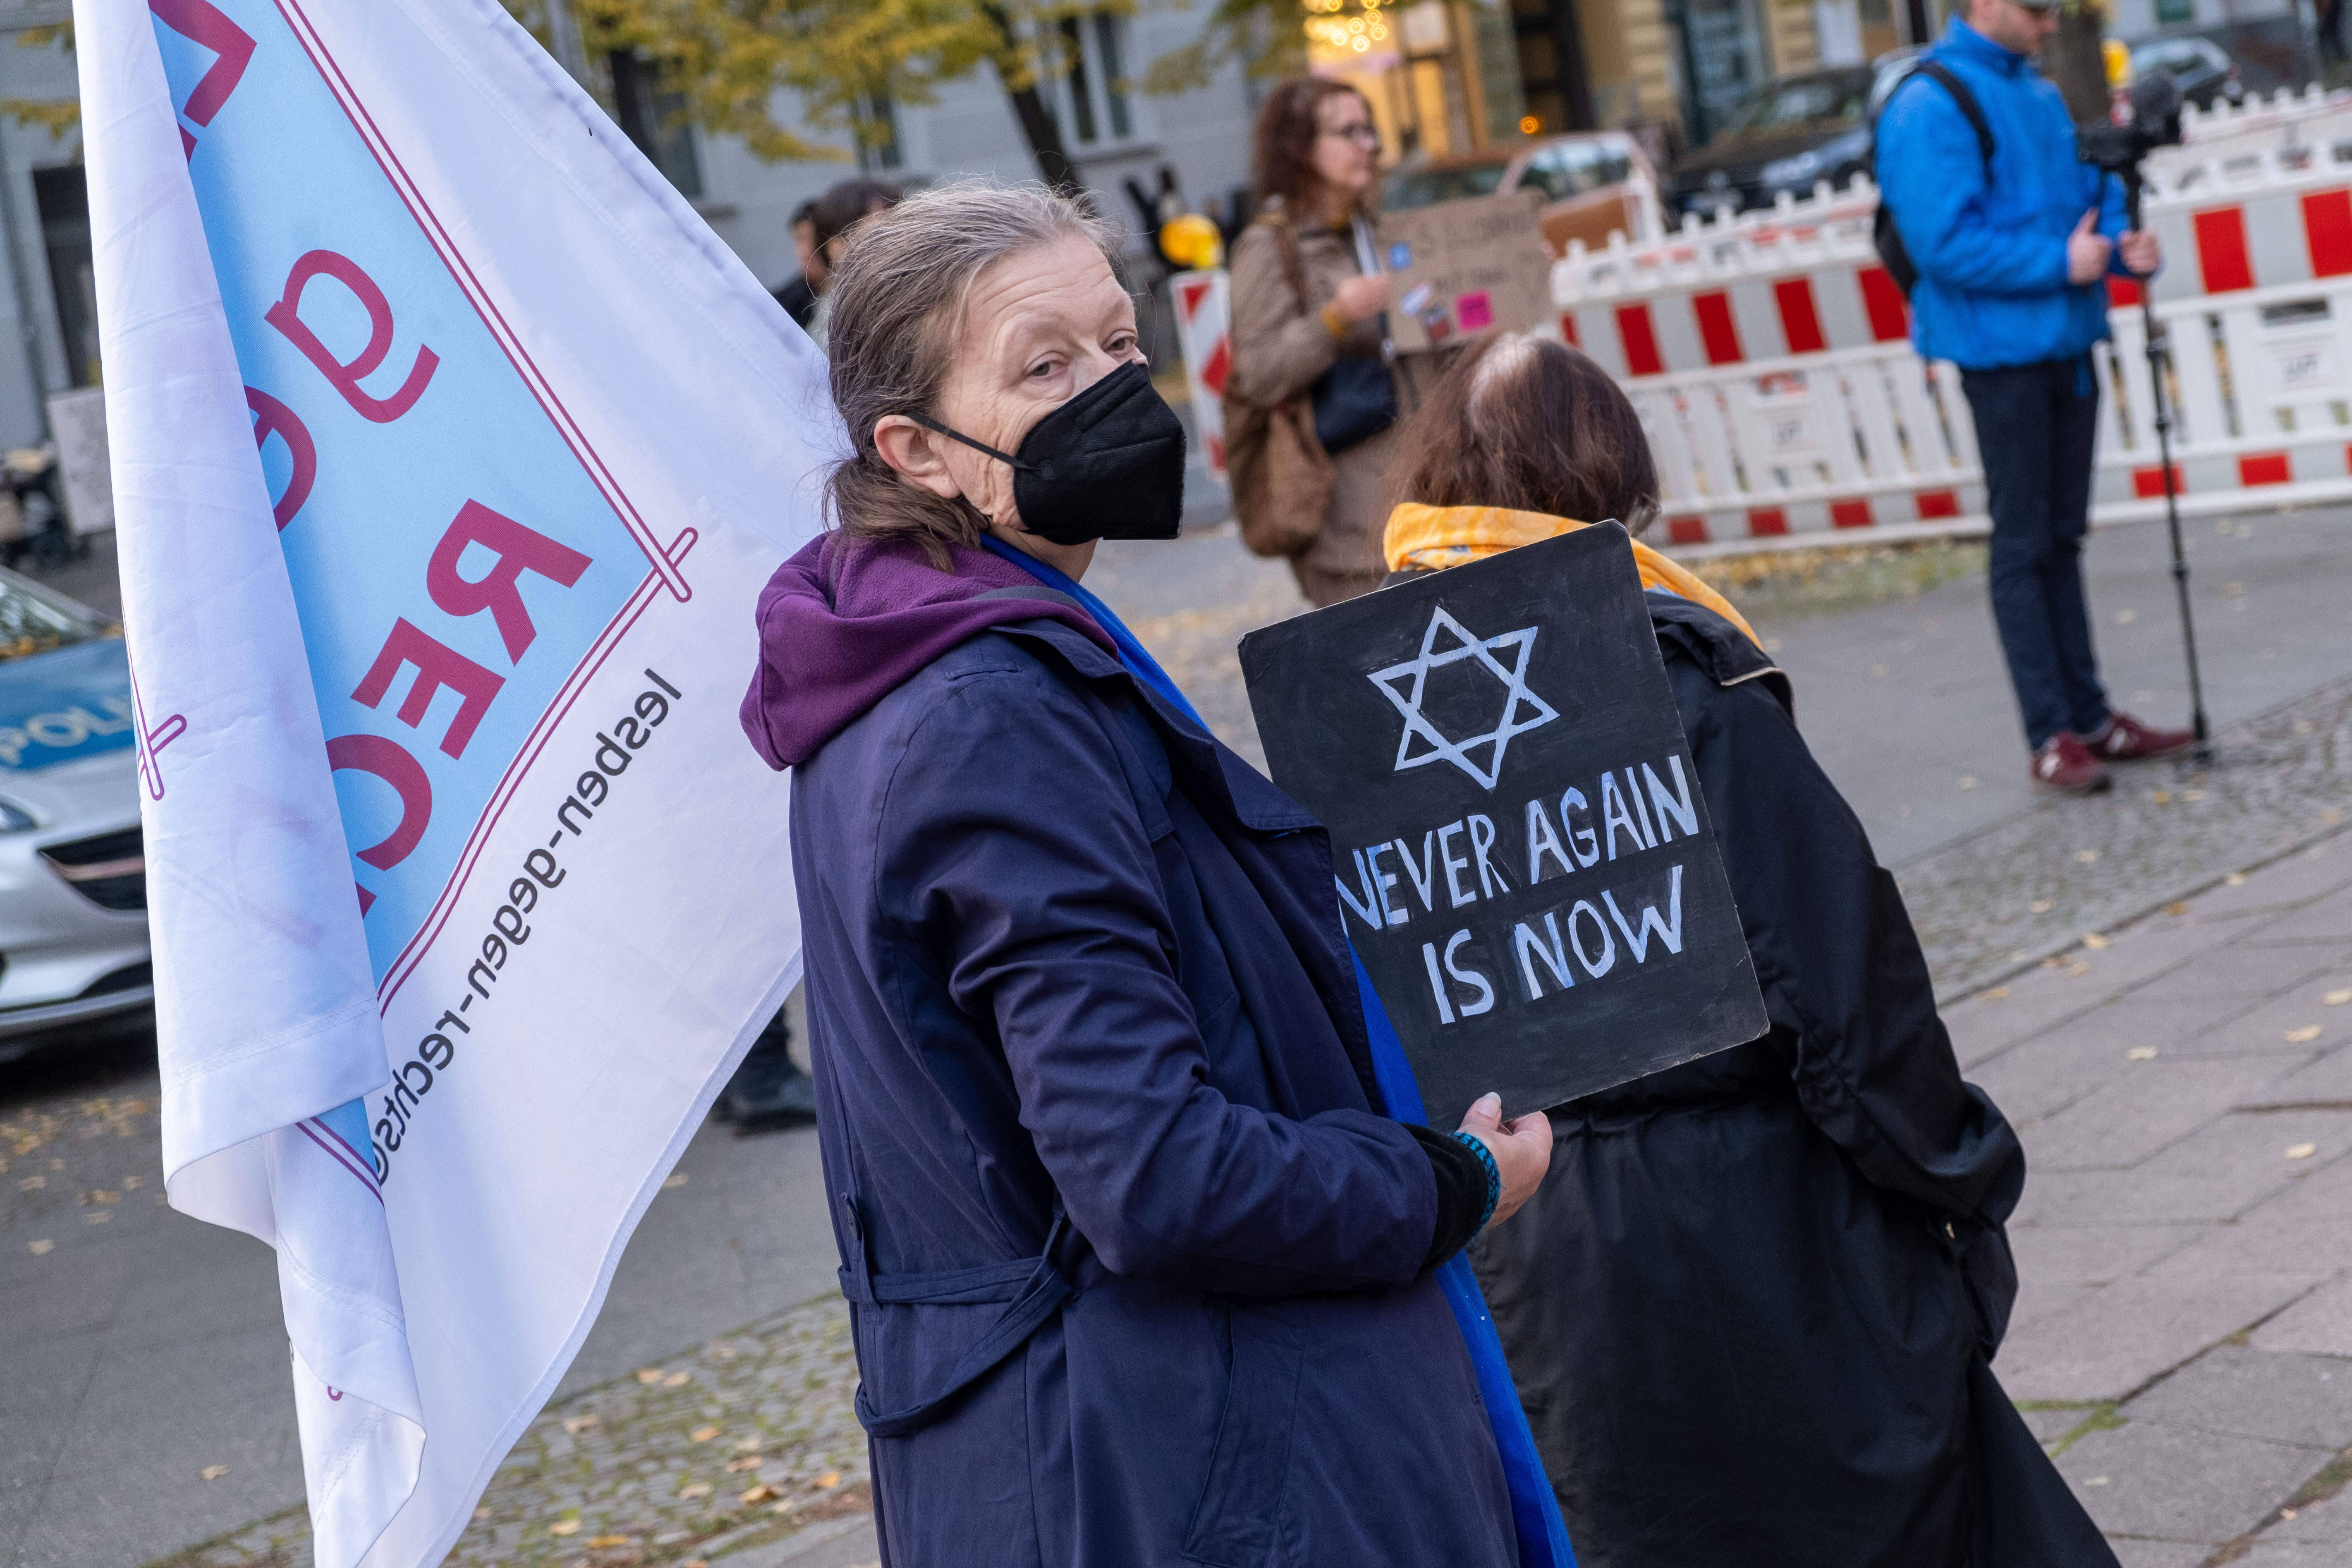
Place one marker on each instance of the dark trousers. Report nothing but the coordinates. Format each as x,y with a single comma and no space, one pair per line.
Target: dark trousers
2036,425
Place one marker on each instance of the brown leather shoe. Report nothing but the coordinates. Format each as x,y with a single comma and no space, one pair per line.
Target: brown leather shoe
2066,765
2123,739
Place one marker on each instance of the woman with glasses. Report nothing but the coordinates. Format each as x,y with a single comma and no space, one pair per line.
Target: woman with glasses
1308,298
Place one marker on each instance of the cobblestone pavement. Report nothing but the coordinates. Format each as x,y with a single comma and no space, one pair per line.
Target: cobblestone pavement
2040,880
2183,1336
745,1440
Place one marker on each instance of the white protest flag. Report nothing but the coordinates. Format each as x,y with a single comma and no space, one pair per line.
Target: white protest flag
451,452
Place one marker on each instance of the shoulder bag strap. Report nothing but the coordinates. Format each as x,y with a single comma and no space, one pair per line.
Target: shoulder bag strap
1968,106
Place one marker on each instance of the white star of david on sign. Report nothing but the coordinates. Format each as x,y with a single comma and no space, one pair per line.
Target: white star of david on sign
1522,710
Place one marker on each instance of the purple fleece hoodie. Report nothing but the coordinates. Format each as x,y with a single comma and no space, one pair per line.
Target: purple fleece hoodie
842,624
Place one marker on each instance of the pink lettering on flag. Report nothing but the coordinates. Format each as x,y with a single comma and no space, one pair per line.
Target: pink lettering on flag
286,315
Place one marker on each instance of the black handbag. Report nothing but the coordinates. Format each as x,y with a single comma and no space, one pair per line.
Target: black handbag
1355,400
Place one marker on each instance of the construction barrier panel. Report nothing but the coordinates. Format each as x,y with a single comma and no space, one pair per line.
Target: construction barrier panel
1205,336
1769,354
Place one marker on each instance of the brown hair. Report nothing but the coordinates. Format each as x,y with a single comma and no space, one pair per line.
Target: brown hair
897,307
1530,424
846,204
1282,158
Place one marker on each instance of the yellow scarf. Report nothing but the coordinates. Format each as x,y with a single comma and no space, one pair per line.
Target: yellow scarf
1431,538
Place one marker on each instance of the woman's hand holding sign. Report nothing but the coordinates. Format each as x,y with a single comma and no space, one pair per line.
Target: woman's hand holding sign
1521,1147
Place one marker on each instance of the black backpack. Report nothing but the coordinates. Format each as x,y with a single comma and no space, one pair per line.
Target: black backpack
1882,233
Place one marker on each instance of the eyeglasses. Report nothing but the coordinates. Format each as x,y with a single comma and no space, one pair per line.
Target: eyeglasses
1361,133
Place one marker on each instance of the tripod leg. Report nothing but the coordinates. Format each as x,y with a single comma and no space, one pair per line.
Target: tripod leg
2160,407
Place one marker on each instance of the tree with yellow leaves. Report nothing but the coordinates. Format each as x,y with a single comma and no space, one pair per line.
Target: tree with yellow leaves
834,59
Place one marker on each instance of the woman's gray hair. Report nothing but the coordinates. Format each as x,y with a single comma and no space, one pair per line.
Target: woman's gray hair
898,300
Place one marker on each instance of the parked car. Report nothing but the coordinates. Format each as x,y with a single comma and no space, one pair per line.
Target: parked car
73,873
2204,69
1794,131
1592,183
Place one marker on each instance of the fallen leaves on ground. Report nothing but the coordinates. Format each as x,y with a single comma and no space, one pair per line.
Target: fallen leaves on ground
650,1374
2095,942
2301,1036
605,1542
702,1434
2087,857
576,1425
212,1472
2301,1150
2337,998
39,1248
694,1490
2140,1054
2176,908
748,1462
763,1492
565,1527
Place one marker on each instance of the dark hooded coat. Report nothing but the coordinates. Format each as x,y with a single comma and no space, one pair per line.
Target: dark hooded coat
1077,990
1751,1308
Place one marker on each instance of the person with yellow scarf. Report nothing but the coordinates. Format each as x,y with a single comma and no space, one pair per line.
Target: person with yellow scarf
1751,1311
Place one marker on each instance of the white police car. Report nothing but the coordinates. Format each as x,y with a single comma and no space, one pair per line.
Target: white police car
73,879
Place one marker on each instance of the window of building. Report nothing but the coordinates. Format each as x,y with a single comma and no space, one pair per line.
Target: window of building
1091,99
653,117
63,200
1114,68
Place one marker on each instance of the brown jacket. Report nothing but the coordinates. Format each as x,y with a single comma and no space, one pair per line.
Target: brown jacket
1278,352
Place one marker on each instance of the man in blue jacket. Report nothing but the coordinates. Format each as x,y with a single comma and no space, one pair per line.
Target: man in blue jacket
2012,252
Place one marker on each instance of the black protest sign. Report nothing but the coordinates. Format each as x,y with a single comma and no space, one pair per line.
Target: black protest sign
1525,860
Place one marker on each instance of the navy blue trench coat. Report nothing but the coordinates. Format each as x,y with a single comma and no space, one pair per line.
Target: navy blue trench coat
1068,959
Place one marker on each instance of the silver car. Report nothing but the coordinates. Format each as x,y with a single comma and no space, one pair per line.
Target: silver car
73,876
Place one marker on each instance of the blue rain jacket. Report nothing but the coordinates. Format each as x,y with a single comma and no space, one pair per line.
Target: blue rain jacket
1992,254
1059,941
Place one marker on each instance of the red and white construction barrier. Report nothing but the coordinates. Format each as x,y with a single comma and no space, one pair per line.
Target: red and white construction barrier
1205,336
1769,354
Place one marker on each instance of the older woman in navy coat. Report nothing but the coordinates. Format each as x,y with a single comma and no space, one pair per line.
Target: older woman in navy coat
1138,1273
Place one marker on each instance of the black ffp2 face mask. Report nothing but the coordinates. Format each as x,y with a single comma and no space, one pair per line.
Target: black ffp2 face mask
1107,464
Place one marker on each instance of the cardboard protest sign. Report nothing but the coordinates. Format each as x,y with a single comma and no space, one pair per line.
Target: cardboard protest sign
1525,861
1467,266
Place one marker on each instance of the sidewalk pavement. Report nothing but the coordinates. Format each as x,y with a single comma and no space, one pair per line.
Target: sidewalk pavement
2183,1335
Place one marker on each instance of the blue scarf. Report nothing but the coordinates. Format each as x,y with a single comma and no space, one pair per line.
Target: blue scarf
1543,1539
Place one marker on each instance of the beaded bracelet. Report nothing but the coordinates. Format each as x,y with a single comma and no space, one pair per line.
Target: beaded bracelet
1494,1177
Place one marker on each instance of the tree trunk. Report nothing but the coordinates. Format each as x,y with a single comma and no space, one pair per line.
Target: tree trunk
2072,60
1037,123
